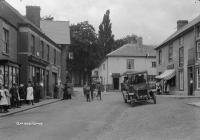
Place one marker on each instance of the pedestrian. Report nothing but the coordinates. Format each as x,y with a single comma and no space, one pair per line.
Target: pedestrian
92,87
87,91
3,99
30,96
65,92
56,90
36,92
8,96
14,96
22,93
99,91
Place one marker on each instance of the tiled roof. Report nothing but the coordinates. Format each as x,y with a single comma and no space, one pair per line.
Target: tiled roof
133,50
58,31
180,31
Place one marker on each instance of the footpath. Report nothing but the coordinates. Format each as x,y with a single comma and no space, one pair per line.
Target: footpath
28,107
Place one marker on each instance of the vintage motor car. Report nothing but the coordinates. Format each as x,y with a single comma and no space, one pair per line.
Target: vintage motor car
137,88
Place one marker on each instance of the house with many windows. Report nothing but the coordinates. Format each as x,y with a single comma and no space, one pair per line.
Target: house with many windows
27,53
132,57
179,58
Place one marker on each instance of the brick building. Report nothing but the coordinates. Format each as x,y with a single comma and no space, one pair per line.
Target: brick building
178,58
29,54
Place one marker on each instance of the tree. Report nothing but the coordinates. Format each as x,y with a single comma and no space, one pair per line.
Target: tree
48,17
105,36
84,48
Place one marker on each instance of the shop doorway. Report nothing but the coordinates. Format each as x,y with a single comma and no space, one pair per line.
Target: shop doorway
116,83
190,81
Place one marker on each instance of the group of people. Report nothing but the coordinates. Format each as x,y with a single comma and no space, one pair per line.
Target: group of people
89,89
162,87
17,95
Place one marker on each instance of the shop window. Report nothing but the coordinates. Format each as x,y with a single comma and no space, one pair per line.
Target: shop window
181,57
6,76
181,80
130,64
170,52
198,78
2,73
5,41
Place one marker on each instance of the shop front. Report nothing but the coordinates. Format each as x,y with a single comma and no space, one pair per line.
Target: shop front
9,73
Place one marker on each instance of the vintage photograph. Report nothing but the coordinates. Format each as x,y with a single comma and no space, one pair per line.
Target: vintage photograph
99,70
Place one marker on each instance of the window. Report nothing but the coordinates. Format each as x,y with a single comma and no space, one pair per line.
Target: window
42,48
181,57
104,66
181,80
33,44
153,64
181,40
160,57
5,41
54,61
130,64
198,31
198,50
198,77
48,49
170,53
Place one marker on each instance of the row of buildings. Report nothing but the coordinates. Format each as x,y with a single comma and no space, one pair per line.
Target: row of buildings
175,61
32,49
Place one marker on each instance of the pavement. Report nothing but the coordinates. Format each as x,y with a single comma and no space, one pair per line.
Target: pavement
26,107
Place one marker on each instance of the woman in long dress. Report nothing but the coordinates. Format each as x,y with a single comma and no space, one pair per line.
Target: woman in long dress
3,99
30,96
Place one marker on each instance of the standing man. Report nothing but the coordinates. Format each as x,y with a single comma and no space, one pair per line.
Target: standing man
86,88
15,96
92,87
65,90
99,90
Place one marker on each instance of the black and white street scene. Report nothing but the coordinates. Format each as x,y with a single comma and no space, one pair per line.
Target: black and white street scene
99,70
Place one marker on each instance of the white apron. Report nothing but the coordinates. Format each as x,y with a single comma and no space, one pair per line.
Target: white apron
3,100
29,93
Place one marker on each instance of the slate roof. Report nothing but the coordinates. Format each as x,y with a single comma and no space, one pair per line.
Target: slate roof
58,31
133,50
185,28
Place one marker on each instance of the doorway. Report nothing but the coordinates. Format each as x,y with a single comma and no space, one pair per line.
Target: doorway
116,83
190,81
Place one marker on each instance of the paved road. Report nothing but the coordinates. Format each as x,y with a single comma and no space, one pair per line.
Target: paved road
110,119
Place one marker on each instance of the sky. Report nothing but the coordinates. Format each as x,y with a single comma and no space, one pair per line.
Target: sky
154,20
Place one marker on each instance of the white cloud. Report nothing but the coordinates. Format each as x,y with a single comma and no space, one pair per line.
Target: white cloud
155,20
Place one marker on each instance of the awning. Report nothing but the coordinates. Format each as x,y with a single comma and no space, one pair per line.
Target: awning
167,74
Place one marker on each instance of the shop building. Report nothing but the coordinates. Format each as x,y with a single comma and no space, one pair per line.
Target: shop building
36,55
178,58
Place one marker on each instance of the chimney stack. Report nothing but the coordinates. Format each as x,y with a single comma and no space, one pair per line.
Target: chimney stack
33,14
181,23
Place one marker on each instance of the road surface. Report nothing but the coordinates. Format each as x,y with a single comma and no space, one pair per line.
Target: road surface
110,119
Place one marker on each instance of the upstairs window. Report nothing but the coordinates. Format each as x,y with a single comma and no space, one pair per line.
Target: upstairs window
48,50
54,61
181,41
33,44
42,49
181,57
153,64
130,64
198,50
170,52
5,41
160,57
198,31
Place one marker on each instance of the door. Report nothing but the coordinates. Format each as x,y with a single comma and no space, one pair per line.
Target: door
190,81
116,83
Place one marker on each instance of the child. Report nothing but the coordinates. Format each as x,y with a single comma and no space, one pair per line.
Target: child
30,96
